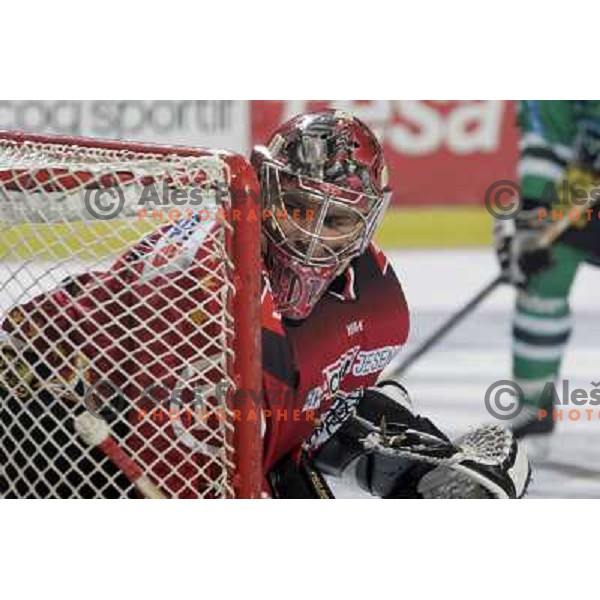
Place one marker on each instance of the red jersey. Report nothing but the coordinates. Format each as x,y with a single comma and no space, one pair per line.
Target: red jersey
353,332
138,325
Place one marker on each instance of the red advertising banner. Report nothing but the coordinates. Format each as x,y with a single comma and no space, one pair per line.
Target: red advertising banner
439,152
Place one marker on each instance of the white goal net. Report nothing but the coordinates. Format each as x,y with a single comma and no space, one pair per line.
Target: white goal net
128,320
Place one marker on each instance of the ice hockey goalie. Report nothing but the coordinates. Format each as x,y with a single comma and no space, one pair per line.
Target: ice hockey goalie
333,316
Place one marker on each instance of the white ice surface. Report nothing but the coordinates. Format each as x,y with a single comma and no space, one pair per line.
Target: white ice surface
448,383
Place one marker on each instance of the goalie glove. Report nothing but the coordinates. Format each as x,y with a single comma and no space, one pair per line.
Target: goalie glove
515,242
392,453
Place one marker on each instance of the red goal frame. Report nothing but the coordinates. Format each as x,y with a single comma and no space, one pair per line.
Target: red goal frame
246,256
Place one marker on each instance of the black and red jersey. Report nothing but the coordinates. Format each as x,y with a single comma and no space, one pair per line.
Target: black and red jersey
353,332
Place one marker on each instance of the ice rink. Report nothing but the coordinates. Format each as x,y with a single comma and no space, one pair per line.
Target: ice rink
448,384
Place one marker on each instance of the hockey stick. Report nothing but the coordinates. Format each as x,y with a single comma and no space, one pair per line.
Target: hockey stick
95,432
544,240
320,486
298,478
447,326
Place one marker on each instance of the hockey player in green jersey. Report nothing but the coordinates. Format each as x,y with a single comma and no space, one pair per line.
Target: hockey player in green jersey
558,167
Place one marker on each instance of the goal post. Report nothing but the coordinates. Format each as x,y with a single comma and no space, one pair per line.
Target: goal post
129,292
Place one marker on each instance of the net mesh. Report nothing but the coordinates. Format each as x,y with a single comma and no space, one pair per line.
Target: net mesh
117,301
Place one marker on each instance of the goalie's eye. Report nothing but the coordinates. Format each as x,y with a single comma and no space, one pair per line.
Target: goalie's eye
341,221
301,207
293,203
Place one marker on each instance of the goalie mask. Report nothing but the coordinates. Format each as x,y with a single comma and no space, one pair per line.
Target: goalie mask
324,191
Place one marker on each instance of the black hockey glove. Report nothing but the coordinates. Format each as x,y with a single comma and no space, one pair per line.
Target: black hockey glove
390,452
516,248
